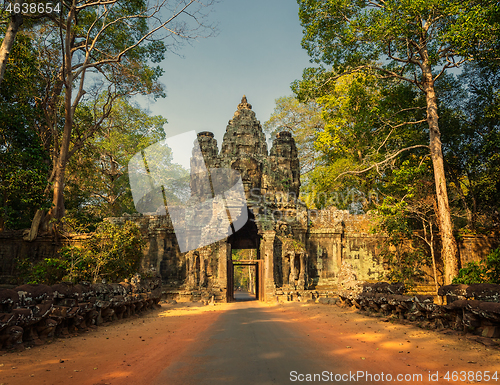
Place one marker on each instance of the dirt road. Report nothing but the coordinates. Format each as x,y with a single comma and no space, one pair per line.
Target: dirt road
250,342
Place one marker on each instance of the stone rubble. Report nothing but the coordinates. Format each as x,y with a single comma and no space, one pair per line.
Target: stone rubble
33,314
469,308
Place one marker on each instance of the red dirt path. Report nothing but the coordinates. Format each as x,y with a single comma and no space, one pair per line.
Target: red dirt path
132,351
135,351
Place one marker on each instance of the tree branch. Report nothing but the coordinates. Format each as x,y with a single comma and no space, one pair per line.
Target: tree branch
378,164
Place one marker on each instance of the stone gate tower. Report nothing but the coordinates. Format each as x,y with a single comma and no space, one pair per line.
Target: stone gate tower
271,182
294,249
244,149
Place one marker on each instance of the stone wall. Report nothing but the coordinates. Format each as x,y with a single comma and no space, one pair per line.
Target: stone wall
33,314
14,247
327,245
474,248
335,236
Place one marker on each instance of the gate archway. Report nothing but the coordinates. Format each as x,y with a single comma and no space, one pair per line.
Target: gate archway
247,237
259,275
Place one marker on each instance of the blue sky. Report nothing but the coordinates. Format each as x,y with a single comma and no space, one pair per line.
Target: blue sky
257,53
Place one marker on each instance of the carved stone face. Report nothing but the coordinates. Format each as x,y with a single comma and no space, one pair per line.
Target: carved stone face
250,171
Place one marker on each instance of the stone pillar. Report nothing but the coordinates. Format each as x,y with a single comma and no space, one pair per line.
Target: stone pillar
224,255
196,268
190,279
292,277
203,272
286,269
302,273
267,253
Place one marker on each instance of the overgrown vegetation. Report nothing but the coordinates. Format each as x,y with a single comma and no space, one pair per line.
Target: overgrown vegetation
112,253
382,124
67,117
485,271
394,130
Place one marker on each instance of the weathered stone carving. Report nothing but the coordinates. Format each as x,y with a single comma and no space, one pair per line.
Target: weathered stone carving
480,317
277,219
30,314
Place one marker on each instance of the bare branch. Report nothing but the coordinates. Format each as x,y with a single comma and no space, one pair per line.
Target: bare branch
378,164
377,4
117,58
450,64
391,74
98,2
409,53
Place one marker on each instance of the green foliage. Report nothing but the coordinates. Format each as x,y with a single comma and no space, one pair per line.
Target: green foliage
471,136
244,276
366,121
23,159
381,48
404,253
493,266
292,244
405,266
353,33
304,121
407,217
473,272
477,30
486,271
113,252
49,271
116,251
398,42
127,25
97,179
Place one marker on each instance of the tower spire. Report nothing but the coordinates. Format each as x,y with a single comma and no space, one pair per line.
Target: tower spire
244,105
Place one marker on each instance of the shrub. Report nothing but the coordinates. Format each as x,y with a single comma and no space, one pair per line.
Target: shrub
113,253
48,271
486,271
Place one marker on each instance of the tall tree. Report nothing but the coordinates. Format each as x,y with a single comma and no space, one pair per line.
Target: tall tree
368,123
24,163
471,132
15,20
14,14
104,44
407,215
397,39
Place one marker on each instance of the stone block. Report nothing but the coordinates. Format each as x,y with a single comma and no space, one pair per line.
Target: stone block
324,301
491,331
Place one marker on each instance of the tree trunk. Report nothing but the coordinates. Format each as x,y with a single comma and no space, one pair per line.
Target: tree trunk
433,256
35,225
16,20
57,210
449,251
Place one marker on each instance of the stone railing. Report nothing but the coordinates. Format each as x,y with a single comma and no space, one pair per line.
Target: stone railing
469,308
31,314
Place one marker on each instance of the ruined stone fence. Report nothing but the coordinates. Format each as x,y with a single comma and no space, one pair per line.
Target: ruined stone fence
469,308
31,314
